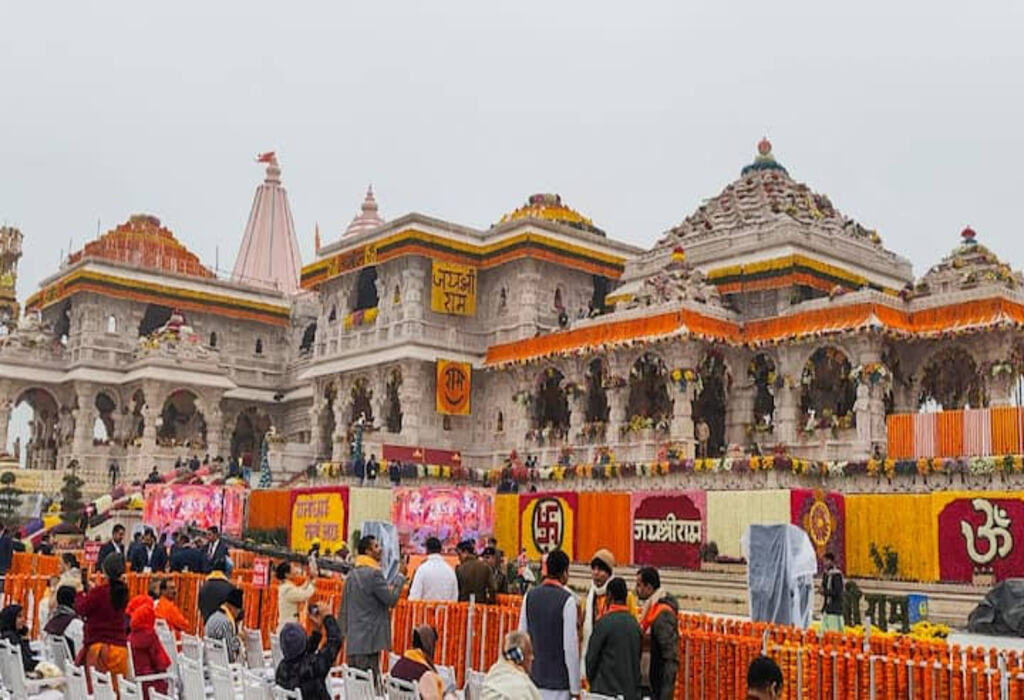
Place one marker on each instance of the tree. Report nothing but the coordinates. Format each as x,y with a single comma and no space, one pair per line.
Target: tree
9,496
71,499
265,475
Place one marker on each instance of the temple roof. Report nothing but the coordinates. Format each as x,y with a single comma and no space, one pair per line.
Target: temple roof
969,265
269,253
143,242
368,217
549,207
763,195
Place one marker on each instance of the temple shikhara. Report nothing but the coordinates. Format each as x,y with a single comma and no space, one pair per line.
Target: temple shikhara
768,352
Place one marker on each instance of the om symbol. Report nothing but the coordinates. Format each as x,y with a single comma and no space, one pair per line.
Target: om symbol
995,531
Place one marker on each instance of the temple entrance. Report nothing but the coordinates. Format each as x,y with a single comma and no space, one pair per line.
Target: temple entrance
762,374
103,428
247,438
362,397
366,289
181,424
326,423
648,405
951,381
828,391
392,402
550,404
597,395
34,438
709,404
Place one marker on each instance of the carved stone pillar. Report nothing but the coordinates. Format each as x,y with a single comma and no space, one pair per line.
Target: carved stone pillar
739,412
6,406
577,414
787,414
876,406
618,399
214,430
682,418
84,418
411,396
339,443
316,430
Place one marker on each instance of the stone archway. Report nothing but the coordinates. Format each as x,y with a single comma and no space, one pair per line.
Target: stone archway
36,413
648,391
181,422
762,374
550,403
596,408
362,402
104,429
951,380
828,390
247,437
393,401
709,403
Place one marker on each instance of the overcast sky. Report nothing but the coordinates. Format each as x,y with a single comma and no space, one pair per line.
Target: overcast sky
909,116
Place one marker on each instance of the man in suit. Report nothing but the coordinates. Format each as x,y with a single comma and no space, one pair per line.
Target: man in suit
185,557
216,549
150,557
114,545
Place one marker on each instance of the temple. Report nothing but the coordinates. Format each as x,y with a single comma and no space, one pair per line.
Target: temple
765,323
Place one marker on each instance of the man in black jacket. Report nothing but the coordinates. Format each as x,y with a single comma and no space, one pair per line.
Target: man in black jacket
613,654
185,557
659,617
150,557
216,549
305,665
116,544
832,587
215,590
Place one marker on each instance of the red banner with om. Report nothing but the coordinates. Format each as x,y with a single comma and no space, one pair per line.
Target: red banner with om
981,534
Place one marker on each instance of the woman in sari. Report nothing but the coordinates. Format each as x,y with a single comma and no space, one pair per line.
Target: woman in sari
105,639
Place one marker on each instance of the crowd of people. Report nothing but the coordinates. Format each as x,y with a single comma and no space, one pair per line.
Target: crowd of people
618,640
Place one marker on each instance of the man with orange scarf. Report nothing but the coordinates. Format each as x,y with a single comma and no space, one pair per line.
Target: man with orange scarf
613,655
659,621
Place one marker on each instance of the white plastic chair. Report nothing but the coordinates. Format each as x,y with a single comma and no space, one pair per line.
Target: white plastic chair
448,677
359,684
169,675
170,645
598,696
215,652
129,690
398,689
255,657
222,682
102,686
192,647
153,695
75,683
60,653
256,687
192,685
285,694
276,655
12,670
474,685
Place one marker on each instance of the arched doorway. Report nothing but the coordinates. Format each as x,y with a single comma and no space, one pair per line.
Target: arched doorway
597,395
181,424
362,397
709,403
951,381
550,404
649,403
247,437
828,391
103,428
393,402
34,438
366,289
763,376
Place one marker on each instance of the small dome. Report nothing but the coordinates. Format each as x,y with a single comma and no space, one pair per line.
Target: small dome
367,219
549,207
764,159
143,242
969,264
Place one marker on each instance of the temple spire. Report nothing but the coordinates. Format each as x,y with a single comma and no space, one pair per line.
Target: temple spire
269,254
368,217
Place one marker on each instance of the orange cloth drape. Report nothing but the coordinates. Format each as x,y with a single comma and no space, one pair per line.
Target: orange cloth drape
951,433
269,509
604,521
1006,422
900,429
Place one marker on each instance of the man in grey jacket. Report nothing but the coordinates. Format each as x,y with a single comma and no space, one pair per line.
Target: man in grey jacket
367,599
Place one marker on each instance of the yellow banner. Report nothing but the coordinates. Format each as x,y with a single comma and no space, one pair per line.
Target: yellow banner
453,387
320,516
548,522
453,289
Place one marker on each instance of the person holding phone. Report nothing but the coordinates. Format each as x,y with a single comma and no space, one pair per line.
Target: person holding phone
290,595
305,664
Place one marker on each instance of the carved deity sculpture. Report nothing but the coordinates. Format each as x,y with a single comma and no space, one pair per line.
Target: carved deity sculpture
862,410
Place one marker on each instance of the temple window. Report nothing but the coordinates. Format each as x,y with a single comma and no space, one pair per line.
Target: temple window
601,289
154,317
828,391
103,426
259,346
213,339
597,396
559,305
446,423
502,301
333,315
308,338
951,380
366,289
396,298
551,405
649,404
111,324
500,423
